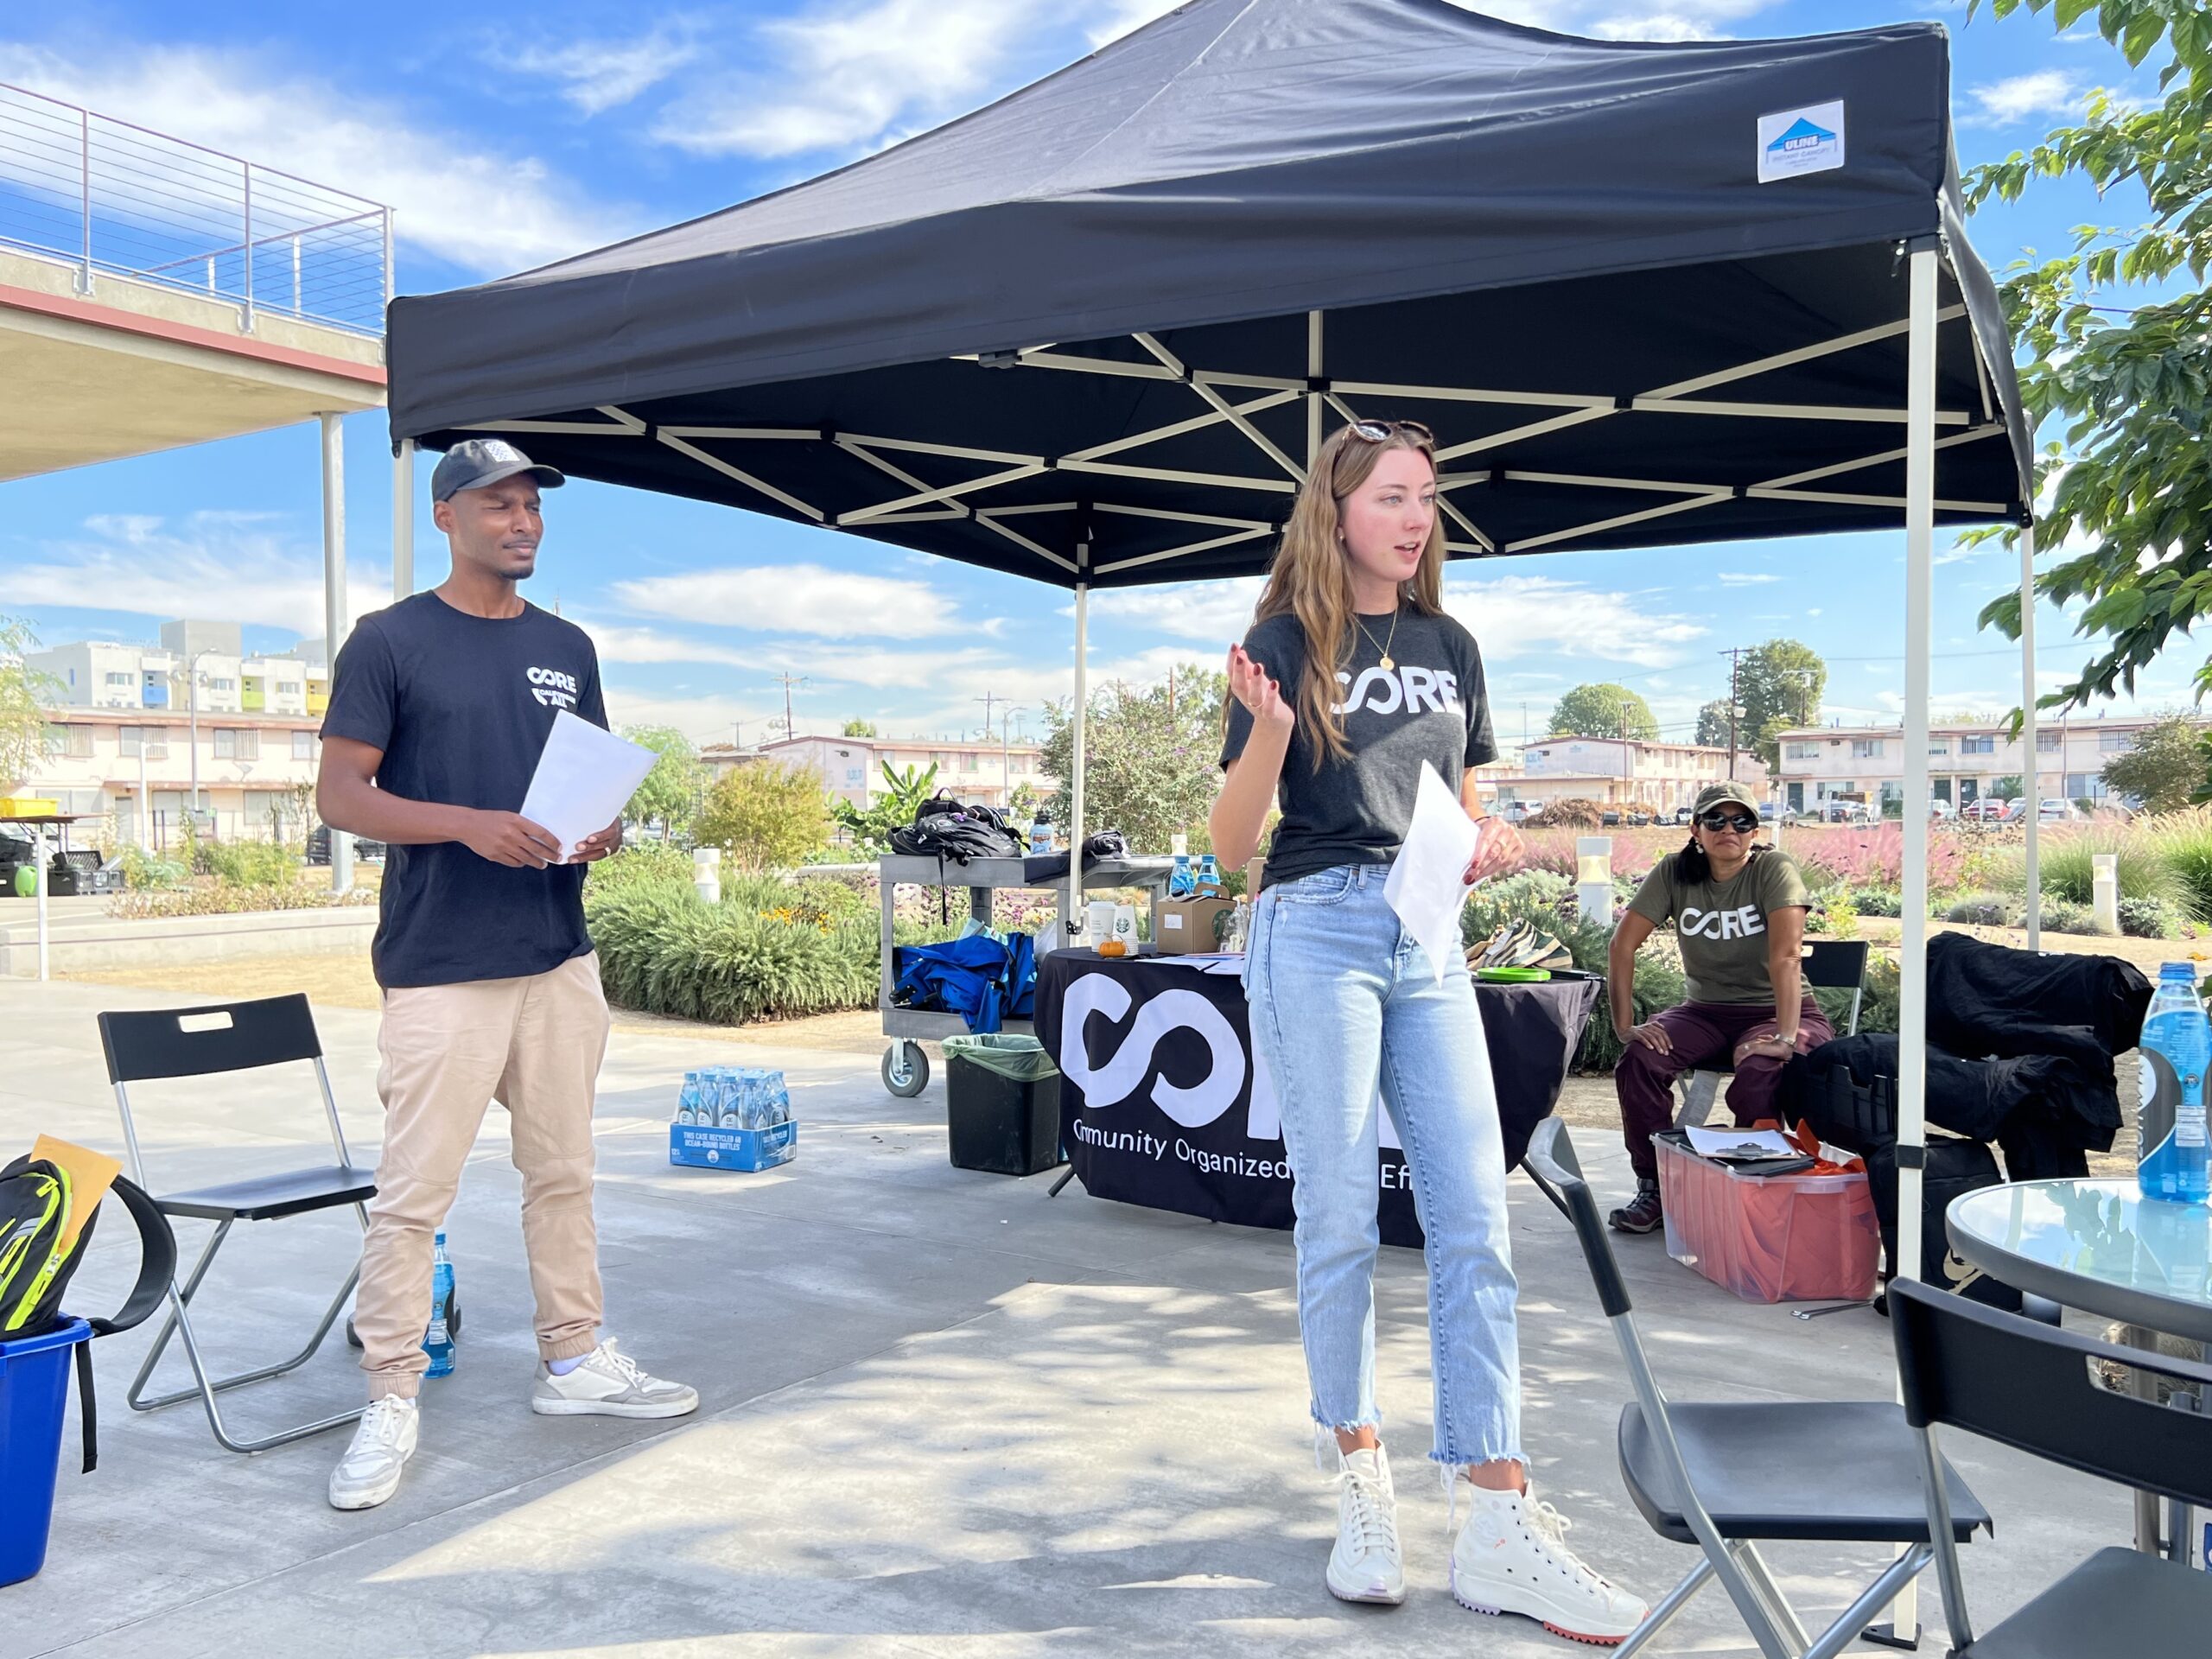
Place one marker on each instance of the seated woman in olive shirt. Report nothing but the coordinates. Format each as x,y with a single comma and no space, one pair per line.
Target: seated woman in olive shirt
1738,911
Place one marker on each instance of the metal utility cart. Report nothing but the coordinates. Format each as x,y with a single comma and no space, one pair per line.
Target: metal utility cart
905,1063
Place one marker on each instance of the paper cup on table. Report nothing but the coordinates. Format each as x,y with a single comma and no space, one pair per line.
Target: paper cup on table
1101,922
1125,928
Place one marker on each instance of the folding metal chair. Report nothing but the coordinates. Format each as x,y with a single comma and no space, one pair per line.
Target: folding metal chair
2038,1390
1829,965
230,1037
1731,1476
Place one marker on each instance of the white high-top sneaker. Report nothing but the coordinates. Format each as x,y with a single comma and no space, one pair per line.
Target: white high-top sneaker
1512,1557
1366,1565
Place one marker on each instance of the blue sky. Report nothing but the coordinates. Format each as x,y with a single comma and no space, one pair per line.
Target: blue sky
505,139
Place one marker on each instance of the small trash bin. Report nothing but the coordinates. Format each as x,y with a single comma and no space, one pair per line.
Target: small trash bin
34,1388
1001,1104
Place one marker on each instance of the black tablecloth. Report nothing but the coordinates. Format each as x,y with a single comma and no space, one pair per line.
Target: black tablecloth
1158,1105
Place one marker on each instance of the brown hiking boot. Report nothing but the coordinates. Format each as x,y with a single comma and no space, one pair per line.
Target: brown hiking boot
1641,1214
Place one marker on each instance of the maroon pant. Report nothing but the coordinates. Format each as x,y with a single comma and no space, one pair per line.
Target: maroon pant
1705,1035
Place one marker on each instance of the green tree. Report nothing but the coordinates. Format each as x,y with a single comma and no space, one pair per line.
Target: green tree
23,691
670,795
1713,724
2164,769
1779,685
765,815
1149,770
903,791
2003,789
2132,386
860,728
1604,710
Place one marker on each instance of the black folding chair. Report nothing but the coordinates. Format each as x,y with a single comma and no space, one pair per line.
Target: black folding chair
172,1042
1829,965
2038,1390
1729,1477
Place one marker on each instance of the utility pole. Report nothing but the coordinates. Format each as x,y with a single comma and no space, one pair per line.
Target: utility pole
989,699
787,681
1735,656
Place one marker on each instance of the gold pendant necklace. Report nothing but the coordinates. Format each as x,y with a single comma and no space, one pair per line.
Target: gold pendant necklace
1382,650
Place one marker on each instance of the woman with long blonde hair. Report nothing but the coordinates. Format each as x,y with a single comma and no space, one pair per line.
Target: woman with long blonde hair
1351,677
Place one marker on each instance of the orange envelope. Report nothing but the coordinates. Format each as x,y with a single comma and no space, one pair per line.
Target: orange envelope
91,1174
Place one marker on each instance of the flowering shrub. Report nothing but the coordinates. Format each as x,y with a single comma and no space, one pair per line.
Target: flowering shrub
1872,856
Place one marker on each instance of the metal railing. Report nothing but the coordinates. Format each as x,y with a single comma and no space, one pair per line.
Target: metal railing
107,197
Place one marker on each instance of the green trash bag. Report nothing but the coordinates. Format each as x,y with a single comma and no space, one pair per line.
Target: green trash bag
1022,1059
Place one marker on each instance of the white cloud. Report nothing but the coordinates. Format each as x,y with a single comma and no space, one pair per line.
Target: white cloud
2047,93
210,564
841,77
599,75
1124,15
1216,612
618,643
1745,578
708,718
476,204
795,599
1518,616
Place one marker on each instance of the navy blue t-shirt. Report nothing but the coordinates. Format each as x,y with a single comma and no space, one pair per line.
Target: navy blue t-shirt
461,705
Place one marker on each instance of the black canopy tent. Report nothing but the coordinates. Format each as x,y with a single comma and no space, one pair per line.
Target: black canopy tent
1646,295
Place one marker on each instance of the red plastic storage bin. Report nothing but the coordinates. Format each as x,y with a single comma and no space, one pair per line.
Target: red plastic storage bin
1770,1238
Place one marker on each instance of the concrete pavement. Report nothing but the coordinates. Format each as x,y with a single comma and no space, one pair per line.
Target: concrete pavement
943,1415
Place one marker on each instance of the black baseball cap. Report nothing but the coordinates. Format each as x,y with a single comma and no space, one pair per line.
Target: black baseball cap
475,462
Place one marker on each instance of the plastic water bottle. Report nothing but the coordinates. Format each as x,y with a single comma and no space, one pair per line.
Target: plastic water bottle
2171,1160
1040,834
1181,882
1209,877
687,1103
437,1341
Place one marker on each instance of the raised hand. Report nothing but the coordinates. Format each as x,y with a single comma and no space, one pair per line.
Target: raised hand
1261,697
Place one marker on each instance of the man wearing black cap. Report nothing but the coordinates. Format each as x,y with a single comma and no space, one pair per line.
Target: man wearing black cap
439,709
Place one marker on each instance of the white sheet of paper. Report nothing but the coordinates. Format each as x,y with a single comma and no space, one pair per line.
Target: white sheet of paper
585,776
1428,886
1710,1143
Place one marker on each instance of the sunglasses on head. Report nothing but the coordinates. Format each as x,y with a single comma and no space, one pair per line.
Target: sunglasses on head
1381,431
1742,823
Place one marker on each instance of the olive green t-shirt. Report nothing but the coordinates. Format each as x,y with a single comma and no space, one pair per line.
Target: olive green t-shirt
1721,925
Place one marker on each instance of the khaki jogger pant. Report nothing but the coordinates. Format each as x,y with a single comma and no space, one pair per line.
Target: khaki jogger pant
535,1045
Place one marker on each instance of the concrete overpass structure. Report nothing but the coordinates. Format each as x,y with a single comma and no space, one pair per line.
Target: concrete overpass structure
156,293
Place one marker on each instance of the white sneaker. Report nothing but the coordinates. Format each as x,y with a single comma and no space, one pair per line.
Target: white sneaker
383,1439
1365,1565
1511,1557
609,1384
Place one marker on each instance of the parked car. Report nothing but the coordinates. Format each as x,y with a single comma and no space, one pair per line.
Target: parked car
1941,811
1519,811
366,851
1984,810
2056,812
1847,812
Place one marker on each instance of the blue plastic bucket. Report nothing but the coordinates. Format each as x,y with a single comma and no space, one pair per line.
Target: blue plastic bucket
33,1389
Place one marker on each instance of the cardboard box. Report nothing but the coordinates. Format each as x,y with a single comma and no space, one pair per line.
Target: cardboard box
745,1149
1186,925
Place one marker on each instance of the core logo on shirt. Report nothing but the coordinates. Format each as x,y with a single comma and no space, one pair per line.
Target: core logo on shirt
553,688
1385,691
1738,923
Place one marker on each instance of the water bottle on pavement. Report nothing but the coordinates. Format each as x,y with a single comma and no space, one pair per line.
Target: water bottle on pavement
2171,1156
687,1103
437,1341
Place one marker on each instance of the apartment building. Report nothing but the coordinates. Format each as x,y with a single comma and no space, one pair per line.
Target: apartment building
1616,771
1966,761
203,658
136,767
852,767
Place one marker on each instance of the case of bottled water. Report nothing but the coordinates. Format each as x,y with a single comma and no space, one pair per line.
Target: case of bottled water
740,1118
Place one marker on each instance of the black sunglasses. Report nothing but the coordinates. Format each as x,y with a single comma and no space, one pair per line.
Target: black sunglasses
1742,823
1381,431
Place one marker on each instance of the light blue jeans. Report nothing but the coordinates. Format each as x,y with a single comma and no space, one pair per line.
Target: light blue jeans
1342,1000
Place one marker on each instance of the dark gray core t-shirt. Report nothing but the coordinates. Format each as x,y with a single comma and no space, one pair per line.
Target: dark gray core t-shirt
1429,706
460,705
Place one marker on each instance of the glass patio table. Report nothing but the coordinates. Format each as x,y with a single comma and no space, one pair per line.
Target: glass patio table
2101,1246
